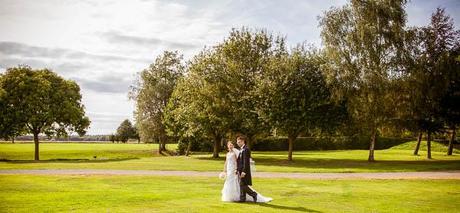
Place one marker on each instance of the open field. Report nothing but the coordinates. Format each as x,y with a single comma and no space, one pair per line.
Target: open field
145,157
74,193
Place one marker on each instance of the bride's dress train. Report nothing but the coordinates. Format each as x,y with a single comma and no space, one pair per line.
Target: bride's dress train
231,190
260,198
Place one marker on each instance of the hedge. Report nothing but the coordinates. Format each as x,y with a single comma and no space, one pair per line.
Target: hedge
303,143
326,143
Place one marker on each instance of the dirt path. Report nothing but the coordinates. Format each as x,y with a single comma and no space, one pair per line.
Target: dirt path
454,174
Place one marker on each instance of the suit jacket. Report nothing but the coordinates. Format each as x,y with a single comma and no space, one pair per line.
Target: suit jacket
244,166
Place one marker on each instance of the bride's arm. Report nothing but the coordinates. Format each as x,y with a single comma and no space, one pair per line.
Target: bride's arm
225,165
235,162
236,151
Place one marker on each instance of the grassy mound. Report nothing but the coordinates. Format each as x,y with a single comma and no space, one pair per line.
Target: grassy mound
435,146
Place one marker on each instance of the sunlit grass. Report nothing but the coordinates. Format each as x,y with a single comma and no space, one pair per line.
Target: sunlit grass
67,193
145,157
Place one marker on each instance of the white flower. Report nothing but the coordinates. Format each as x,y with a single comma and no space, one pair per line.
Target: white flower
222,176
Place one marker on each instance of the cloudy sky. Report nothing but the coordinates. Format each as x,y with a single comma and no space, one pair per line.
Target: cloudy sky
102,44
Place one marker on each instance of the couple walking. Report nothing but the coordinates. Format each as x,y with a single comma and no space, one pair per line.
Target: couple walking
237,172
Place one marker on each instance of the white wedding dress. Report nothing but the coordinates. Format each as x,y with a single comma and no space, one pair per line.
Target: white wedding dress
231,190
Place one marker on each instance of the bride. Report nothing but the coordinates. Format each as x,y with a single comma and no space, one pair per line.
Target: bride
231,190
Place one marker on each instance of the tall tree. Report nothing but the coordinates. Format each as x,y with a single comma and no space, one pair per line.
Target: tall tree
363,41
293,96
218,94
443,42
245,55
450,102
198,106
152,92
432,77
40,101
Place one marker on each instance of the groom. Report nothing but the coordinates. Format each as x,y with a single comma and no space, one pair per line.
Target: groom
244,170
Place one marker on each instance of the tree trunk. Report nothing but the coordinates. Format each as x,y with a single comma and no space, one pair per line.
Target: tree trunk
250,141
419,140
215,153
372,146
163,146
160,146
428,145
36,146
291,140
450,148
12,139
189,146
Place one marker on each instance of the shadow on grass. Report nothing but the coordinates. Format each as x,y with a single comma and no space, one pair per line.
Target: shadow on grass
280,207
343,164
62,160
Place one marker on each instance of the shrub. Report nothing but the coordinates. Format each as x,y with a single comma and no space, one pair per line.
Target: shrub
301,143
326,143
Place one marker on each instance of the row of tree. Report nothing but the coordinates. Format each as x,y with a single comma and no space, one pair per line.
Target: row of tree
391,74
371,73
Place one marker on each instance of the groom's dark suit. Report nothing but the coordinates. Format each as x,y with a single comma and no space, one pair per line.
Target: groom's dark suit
244,166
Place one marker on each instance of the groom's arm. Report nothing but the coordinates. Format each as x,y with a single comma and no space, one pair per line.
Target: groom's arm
243,172
246,156
248,159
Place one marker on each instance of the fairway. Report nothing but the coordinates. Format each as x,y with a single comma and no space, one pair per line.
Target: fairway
145,157
66,193
145,193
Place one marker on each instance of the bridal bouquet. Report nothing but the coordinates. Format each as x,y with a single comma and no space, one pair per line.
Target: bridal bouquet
222,175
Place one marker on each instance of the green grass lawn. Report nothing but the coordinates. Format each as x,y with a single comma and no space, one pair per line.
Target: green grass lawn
145,157
68,193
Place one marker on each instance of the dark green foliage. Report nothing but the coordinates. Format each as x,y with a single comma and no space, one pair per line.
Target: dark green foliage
125,131
201,145
431,78
293,95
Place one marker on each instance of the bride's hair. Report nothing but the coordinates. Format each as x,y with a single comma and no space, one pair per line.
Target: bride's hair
230,143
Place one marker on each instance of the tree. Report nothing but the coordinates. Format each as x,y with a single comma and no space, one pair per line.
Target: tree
151,94
113,138
363,41
451,100
125,131
217,96
245,55
198,107
294,97
432,78
40,101
444,41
